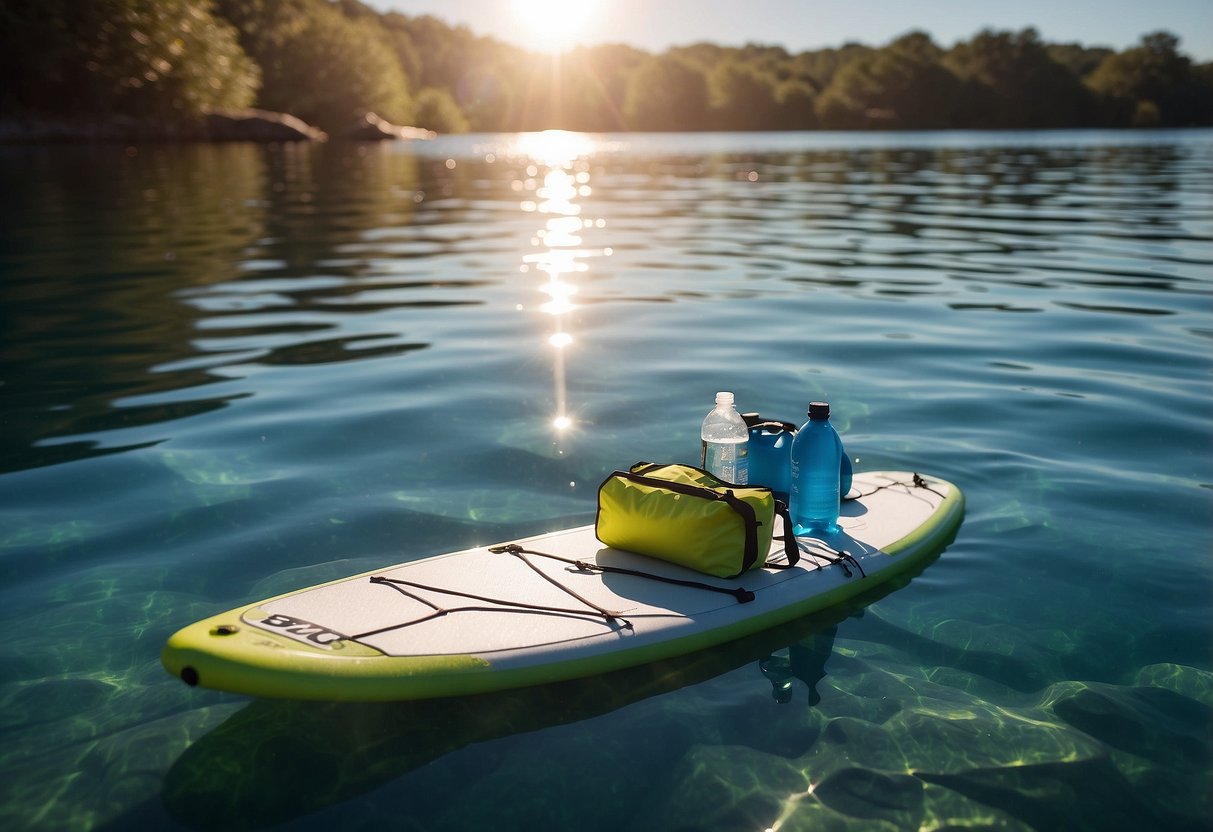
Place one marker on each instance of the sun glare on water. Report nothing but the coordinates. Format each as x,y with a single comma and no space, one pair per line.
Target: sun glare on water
553,25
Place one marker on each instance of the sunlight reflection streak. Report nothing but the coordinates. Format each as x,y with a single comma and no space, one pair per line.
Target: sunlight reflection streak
556,176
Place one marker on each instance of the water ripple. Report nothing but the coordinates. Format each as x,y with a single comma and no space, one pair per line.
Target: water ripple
226,363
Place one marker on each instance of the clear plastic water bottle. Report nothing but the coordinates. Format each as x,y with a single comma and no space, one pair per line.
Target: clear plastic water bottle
726,442
816,466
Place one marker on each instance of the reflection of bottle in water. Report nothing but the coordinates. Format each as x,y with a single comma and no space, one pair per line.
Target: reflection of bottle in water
816,465
806,661
725,441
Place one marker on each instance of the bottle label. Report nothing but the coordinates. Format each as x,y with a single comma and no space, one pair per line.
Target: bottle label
728,460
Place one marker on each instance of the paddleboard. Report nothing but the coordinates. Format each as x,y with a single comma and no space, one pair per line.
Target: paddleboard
542,609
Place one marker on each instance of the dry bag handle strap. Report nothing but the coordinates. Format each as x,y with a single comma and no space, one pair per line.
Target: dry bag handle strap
791,549
749,518
753,420
743,595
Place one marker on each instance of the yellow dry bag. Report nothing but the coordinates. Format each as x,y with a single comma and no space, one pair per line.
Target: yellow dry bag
685,515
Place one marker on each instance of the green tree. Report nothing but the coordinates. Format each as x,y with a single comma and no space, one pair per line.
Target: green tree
703,55
1080,60
666,93
903,85
771,60
396,33
592,86
818,68
161,58
1013,81
797,103
437,110
444,52
319,64
488,79
330,61
1153,84
742,97
491,99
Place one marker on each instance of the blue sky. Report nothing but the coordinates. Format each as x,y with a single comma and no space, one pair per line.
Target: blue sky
800,25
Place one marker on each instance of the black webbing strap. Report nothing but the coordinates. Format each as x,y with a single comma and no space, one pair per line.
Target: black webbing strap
749,519
834,557
790,550
500,605
753,420
916,482
919,482
743,595
521,554
839,558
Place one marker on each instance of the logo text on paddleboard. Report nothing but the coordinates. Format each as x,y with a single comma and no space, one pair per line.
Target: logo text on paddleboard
301,630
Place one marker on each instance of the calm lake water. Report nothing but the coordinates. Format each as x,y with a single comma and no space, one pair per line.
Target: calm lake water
231,371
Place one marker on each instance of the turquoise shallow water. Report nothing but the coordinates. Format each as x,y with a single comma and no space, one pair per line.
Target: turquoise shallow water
231,371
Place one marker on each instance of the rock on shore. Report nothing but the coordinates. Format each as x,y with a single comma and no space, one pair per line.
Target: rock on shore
373,128
258,126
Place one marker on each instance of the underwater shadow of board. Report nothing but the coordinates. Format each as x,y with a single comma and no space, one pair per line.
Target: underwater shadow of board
277,760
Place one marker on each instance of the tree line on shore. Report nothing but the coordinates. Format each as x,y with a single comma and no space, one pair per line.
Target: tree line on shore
331,61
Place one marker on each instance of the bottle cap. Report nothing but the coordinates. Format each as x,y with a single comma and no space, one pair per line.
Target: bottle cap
724,398
819,410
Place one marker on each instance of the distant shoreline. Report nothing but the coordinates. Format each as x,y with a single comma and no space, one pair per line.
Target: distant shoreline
262,126
216,126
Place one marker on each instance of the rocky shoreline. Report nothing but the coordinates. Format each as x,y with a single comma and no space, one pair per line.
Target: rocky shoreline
220,125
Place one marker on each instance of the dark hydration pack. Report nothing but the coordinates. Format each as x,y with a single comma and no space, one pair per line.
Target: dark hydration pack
771,453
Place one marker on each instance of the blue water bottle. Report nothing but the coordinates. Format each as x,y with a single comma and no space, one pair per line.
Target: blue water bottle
816,465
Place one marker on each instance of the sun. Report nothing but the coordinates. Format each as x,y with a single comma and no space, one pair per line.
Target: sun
553,25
